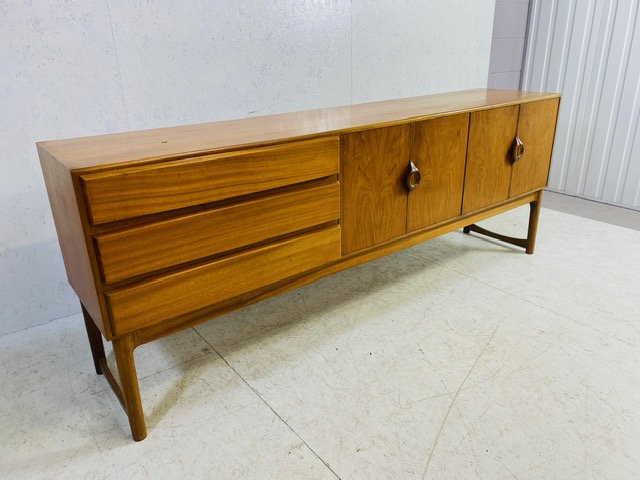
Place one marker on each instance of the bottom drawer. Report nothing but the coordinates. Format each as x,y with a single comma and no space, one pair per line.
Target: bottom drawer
185,291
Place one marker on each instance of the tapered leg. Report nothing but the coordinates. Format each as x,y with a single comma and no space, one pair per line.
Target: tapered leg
123,348
95,340
534,215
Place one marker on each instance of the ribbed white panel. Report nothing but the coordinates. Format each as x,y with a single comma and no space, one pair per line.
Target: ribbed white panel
590,51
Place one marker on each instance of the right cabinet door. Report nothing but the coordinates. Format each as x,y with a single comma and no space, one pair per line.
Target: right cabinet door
492,175
536,129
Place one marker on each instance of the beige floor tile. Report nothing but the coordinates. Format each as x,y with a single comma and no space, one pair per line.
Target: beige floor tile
546,399
583,269
59,419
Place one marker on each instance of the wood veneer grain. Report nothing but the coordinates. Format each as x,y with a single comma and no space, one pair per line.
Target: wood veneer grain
374,199
132,192
439,150
157,245
536,130
488,175
179,293
76,248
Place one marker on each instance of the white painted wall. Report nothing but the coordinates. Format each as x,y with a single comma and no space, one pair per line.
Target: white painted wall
75,68
590,51
507,45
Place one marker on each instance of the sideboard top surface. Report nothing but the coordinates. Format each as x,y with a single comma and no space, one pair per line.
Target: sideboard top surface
156,144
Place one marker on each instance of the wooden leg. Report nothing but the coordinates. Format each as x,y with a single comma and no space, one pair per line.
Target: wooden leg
527,243
534,215
128,392
95,340
123,348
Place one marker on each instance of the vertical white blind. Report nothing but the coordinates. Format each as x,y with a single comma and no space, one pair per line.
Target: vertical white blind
589,50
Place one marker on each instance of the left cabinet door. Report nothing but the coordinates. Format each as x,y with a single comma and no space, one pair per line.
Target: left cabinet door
488,174
374,198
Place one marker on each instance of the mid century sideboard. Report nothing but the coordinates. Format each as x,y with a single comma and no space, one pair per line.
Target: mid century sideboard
163,229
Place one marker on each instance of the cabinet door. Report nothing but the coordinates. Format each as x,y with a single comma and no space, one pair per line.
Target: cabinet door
438,149
374,199
488,175
536,131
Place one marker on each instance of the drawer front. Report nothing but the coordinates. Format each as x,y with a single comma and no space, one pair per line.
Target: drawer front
135,191
186,291
143,249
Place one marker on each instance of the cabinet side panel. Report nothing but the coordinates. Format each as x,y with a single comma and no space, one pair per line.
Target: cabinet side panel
536,130
438,148
374,200
66,215
491,136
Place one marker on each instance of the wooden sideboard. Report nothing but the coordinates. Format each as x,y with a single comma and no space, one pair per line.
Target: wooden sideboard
163,229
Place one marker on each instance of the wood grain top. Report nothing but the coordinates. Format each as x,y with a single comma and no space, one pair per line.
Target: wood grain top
156,144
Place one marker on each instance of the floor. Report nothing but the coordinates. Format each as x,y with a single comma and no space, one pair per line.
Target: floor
623,217
457,359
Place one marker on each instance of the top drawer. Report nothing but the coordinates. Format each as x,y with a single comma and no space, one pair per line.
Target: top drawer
134,191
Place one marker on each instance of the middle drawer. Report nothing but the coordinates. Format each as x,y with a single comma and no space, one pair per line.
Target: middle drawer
143,249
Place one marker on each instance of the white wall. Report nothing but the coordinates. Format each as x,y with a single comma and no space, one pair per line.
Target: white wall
590,51
75,68
507,44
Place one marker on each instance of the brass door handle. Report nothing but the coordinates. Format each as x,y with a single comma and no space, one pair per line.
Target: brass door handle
414,177
518,150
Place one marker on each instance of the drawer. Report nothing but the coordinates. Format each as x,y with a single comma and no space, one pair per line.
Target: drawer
165,243
135,191
195,288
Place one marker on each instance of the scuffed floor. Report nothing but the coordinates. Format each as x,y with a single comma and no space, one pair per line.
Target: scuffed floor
459,358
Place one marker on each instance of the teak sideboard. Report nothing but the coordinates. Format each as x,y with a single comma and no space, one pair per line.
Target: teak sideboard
163,229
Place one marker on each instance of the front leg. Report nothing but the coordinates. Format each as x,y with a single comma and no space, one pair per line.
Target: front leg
123,348
534,215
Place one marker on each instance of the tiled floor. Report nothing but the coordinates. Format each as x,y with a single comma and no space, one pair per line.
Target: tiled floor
457,359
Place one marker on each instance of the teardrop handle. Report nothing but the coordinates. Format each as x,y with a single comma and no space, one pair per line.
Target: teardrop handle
518,150
414,177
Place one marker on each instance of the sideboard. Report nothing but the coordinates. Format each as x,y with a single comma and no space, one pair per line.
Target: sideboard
162,229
